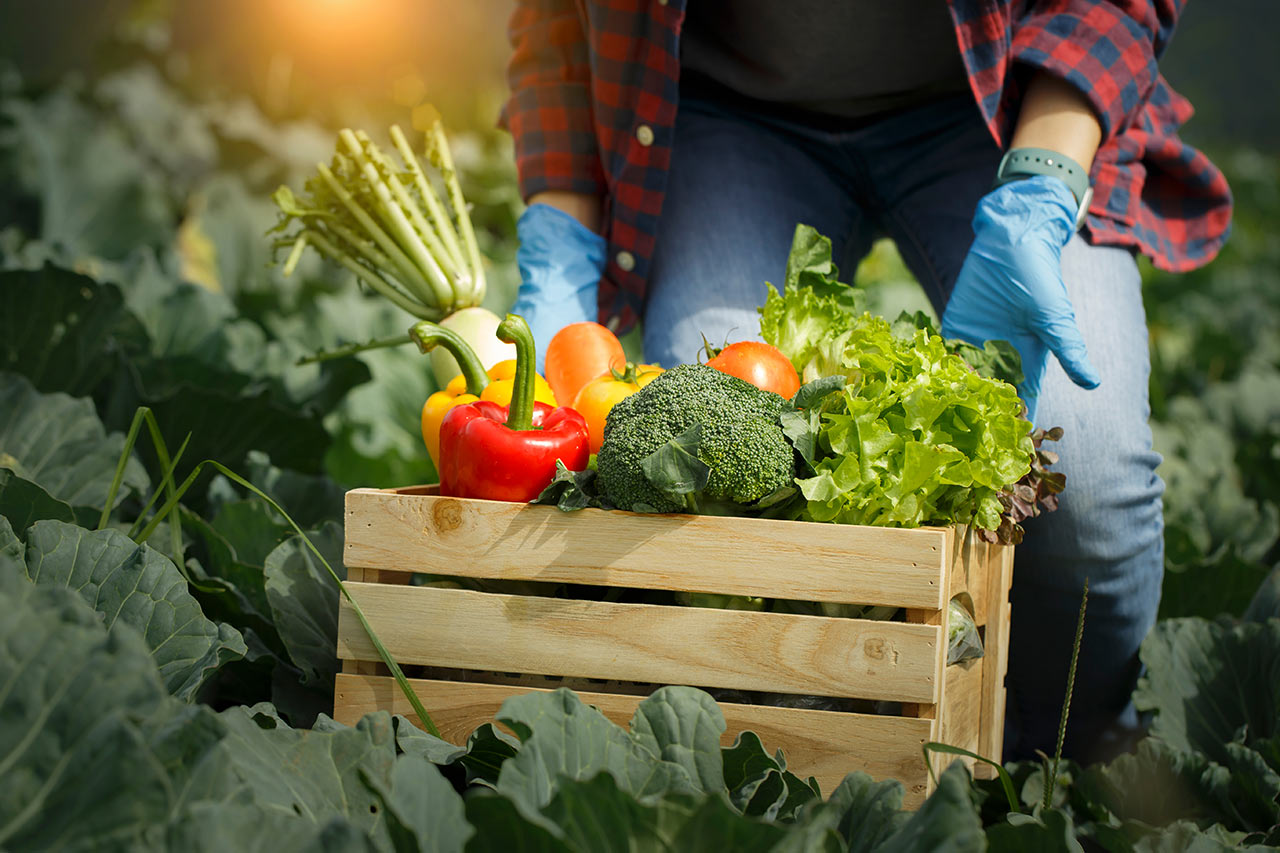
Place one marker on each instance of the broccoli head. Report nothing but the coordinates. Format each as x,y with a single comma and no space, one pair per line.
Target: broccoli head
741,440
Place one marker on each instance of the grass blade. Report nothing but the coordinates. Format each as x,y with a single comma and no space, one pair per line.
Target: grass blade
1066,700
398,673
116,480
1006,781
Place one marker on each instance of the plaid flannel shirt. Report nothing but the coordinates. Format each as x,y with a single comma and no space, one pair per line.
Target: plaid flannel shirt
595,85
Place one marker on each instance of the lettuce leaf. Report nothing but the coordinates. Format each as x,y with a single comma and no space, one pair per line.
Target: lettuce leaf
918,435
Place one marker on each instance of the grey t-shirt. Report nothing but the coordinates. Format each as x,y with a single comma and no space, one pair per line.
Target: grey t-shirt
842,58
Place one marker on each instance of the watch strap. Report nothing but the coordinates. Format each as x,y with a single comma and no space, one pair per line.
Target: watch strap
1027,162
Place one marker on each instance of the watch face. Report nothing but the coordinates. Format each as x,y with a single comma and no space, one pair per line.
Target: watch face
1083,213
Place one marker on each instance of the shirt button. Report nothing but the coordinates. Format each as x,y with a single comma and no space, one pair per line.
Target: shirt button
626,261
644,134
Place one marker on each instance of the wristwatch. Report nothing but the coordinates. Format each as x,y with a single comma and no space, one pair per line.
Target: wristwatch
1026,162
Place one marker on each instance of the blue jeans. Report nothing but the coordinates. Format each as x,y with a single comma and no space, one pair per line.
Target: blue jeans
739,182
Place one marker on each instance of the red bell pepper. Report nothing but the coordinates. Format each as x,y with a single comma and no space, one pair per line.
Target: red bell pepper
509,453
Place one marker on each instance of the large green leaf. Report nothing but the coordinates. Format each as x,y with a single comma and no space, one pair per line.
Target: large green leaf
24,503
1205,680
1215,690
595,815
1051,831
74,762
946,822
13,559
865,812
482,758
759,784
563,738
217,827
315,774
310,499
96,192
423,811
304,600
227,422
684,727
138,586
1266,600
1157,785
58,443
503,828
64,331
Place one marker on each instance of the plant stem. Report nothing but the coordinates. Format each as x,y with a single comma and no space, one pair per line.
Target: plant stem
409,274
428,336
438,293
1066,700
440,146
353,349
295,255
398,673
371,278
435,209
515,330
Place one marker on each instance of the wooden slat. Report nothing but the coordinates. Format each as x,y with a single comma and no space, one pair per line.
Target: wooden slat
775,652
969,572
823,744
960,725
413,532
364,667
995,661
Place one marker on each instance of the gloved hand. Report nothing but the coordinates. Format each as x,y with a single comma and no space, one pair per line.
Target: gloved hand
1011,288
560,261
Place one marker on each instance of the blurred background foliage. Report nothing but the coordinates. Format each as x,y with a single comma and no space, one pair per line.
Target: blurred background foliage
140,141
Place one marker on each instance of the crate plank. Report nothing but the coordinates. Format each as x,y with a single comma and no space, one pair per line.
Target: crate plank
411,531
995,662
776,652
823,744
969,572
961,724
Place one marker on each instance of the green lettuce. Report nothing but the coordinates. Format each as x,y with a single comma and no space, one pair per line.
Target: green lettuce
917,435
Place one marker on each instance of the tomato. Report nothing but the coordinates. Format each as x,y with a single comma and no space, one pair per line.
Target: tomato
578,354
762,365
601,394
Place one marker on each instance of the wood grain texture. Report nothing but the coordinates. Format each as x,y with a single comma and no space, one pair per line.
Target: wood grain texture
807,655
823,744
969,572
414,531
962,718
995,661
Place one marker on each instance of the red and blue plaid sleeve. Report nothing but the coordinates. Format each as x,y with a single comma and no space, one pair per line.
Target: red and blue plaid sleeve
1107,50
549,112
1151,190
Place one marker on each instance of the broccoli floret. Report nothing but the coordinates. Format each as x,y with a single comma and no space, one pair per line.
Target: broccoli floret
742,442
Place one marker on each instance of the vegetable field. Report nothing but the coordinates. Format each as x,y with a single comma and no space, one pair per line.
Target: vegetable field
171,498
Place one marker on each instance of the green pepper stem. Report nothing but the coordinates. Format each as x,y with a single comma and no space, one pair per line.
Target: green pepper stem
428,336
514,330
628,374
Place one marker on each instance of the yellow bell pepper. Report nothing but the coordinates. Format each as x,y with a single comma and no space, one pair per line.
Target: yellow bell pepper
465,388
502,381
436,407
498,390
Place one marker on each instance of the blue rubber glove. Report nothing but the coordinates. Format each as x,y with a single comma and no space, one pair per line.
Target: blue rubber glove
560,261
1010,287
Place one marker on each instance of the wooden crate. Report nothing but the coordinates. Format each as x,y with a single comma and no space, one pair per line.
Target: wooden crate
391,534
